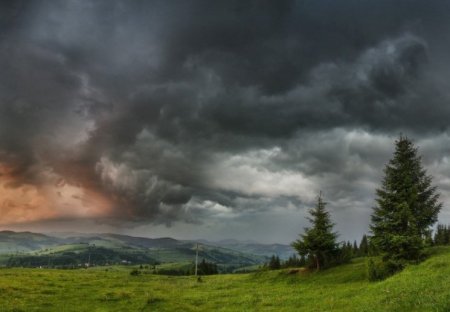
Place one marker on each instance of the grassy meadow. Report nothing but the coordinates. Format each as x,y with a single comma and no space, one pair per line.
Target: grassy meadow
423,287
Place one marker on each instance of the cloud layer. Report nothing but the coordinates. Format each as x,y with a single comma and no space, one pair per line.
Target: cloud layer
202,112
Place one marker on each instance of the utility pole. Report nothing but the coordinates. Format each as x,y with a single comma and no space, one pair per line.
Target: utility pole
196,260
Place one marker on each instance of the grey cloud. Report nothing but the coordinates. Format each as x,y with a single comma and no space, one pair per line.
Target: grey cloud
153,99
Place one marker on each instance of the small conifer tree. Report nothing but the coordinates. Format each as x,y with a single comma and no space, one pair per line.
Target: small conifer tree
355,249
442,235
364,246
318,241
274,263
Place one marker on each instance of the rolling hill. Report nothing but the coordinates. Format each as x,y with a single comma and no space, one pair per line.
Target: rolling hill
34,250
283,251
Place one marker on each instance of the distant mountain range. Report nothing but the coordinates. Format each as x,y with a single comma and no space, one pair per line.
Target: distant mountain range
281,250
35,249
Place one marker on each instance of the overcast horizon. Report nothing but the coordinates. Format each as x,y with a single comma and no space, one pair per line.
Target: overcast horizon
215,119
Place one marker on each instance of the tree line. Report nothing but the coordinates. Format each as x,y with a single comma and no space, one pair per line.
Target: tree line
442,235
203,268
407,206
93,256
346,250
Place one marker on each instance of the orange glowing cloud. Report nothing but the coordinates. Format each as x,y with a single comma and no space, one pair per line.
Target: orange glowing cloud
49,198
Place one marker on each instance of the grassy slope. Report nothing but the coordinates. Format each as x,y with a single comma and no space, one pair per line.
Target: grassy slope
424,287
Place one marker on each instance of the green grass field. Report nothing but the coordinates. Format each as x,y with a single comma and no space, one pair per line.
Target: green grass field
424,287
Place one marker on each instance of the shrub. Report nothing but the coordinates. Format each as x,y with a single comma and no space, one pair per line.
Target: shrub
135,272
378,270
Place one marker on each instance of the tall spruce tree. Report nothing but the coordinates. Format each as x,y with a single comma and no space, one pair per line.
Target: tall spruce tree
407,205
319,241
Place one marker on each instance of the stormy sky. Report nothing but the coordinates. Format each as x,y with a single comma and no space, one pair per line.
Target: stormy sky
215,119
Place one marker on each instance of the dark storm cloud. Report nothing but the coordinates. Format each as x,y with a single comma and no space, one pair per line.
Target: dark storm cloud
172,107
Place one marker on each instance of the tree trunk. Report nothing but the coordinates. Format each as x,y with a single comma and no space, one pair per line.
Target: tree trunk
317,263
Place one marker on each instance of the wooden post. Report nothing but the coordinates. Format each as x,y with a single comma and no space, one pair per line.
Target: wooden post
196,261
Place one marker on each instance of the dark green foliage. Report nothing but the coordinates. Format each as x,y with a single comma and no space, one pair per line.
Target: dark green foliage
274,263
345,253
302,260
379,270
355,249
407,205
319,241
173,272
374,272
373,250
204,268
207,268
442,235
364,246
428,239
294,262
69,259
135,272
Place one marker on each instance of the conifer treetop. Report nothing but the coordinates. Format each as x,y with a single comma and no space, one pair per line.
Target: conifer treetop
407,203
